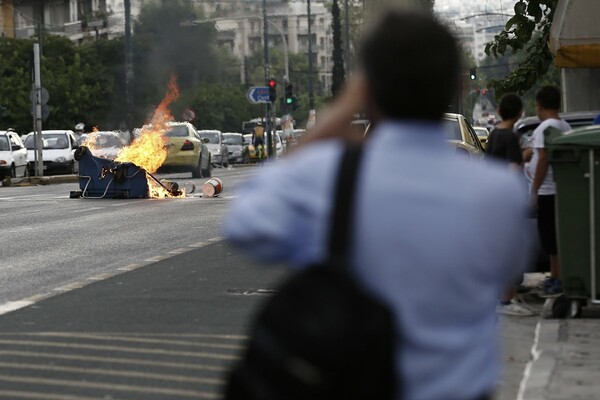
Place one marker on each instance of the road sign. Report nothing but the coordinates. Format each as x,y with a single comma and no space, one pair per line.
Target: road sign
188,115
45,111
258,94
45,96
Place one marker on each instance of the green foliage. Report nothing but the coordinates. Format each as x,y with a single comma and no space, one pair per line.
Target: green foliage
222,106
15,84
77,79
86,83
338,73
528,31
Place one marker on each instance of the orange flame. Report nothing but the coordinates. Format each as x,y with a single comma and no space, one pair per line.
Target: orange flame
149,150
90,141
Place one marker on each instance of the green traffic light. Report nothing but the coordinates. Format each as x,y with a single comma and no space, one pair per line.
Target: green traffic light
289,100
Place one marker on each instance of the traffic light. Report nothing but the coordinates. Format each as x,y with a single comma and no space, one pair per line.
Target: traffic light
473,73
272,90
289,93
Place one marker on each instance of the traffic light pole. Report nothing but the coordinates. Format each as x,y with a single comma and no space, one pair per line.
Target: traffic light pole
268,121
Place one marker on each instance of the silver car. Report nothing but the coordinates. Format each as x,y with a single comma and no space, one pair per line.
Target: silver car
216,145
235,146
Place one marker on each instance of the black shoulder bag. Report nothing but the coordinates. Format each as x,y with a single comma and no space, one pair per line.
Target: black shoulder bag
322,336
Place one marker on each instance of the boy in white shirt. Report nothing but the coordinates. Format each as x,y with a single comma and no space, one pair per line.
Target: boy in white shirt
542,187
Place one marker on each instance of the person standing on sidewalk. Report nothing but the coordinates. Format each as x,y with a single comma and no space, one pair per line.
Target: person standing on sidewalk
503,145
542,187
423,232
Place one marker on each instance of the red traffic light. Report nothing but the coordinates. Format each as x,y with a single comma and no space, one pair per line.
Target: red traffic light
272,83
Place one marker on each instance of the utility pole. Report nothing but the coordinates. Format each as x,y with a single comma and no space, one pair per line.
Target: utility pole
346,6
311,96
128,70
266,59
37,86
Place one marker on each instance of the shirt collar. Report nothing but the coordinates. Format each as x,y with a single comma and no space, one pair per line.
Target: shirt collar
417,132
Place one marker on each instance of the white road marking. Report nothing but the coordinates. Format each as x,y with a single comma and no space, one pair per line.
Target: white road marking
111,372
155,259
70,286
20,394
22,197
128,338
88,209
535,353
135,334
131,267
109,386
114,360
124,349
178,251
13,306
18,304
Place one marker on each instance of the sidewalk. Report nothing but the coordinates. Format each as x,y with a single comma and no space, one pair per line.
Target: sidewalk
565,362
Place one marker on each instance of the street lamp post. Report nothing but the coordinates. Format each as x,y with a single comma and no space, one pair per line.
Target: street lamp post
311,97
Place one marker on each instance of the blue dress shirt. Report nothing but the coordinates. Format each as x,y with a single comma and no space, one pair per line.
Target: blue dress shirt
436,236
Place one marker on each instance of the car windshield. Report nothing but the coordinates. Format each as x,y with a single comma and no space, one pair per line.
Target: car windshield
107,140
233,139
4,143
177,131
50,140
213,137
452,129
481,132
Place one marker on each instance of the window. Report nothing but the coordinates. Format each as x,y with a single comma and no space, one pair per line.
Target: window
50,141
177,131
4,146
213,137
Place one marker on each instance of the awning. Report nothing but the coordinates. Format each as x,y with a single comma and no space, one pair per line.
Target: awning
575,34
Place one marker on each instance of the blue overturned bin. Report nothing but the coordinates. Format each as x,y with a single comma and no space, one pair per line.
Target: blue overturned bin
101,178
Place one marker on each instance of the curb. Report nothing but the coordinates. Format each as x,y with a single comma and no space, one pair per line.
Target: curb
43,180
544,355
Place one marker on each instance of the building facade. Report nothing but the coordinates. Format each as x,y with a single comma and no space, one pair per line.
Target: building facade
79,20
240,29
239,25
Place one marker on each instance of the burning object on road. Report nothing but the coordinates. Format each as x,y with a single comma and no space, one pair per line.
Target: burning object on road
103,178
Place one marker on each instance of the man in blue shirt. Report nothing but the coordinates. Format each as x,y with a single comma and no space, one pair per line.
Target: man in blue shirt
437,237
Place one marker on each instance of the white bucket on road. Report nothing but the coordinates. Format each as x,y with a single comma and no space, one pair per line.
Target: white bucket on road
212,187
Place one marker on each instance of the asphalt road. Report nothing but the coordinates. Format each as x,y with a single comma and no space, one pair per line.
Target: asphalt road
132,299
50,241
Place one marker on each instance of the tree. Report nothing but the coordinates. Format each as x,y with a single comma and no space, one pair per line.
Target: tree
163,45
78,80
338,73
527,31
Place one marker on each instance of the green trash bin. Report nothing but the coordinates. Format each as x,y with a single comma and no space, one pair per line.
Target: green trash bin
575,160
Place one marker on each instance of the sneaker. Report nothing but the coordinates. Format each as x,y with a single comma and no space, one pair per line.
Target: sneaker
554,290
515,310
547,282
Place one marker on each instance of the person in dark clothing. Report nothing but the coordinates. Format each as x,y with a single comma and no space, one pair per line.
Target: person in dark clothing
503,143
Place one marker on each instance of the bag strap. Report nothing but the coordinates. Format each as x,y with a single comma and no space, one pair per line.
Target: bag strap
343,203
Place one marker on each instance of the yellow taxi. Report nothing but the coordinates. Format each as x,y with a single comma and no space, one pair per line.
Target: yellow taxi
186,151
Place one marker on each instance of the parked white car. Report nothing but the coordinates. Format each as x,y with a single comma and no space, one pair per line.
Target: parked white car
13,155
104,144
57,152
219,153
